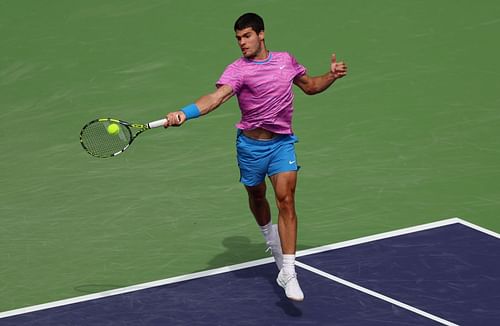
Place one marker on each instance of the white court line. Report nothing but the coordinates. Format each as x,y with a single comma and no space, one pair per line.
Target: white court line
479,228
136,287
380,236
233,268
375,294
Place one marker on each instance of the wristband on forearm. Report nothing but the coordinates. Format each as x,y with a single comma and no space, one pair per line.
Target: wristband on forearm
191,111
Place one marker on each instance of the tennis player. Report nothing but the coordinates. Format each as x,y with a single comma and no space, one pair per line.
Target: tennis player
262,82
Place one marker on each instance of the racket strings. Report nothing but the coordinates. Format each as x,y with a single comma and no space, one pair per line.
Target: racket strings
98,142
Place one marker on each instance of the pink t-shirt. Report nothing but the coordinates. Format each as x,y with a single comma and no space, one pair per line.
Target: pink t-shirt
264,91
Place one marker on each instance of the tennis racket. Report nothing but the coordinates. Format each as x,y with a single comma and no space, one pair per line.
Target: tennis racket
98,141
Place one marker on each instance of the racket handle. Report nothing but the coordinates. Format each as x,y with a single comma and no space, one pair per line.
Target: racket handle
157,123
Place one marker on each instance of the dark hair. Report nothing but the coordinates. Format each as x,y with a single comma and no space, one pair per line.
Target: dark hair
249,20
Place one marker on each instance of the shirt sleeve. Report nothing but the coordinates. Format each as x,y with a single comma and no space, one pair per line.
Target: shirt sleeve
232,77
300,70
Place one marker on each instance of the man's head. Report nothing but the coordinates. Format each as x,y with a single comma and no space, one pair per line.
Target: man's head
249,20
249,29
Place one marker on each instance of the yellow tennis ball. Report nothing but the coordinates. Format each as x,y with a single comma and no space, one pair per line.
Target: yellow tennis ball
113,129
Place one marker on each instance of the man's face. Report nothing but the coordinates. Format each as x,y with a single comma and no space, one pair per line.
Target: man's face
251,43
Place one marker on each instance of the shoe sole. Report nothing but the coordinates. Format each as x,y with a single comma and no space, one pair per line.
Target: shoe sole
290,298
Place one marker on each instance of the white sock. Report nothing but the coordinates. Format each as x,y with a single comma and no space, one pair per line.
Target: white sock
267,230
289,264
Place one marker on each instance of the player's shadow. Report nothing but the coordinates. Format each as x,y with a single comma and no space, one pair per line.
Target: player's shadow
241,249
237,249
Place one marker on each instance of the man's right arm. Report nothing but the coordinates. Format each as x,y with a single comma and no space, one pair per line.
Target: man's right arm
206,104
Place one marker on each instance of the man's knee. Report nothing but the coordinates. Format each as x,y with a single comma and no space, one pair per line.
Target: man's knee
257,193
286,202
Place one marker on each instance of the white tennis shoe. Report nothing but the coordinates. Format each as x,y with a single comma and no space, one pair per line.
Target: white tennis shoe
275,246
291,285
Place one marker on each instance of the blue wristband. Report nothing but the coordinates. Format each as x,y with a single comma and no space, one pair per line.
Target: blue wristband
191,111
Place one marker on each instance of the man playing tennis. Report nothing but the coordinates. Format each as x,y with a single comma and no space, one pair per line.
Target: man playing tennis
262,82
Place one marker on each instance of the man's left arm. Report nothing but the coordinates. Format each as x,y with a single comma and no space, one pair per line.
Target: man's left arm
314,85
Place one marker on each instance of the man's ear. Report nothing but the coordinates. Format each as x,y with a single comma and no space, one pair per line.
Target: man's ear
261,35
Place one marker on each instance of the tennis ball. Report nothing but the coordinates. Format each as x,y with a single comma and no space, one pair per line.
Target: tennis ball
113,129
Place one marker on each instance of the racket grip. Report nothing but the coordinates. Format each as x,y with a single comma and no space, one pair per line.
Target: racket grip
157,123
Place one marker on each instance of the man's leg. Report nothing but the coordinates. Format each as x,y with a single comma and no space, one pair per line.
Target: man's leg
262,213
259,204
284,188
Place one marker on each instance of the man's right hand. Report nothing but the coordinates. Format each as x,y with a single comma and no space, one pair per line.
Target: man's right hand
174,119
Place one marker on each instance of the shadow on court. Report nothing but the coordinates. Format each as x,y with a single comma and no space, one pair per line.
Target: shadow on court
240,248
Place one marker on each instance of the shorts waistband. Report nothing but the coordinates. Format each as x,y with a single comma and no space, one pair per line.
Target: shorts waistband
262,142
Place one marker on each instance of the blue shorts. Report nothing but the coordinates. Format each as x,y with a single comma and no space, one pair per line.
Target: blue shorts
258,158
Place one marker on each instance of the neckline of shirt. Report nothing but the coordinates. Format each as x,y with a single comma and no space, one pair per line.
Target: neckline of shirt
259,62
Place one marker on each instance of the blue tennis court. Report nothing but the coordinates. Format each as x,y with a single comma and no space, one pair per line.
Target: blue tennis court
442,273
